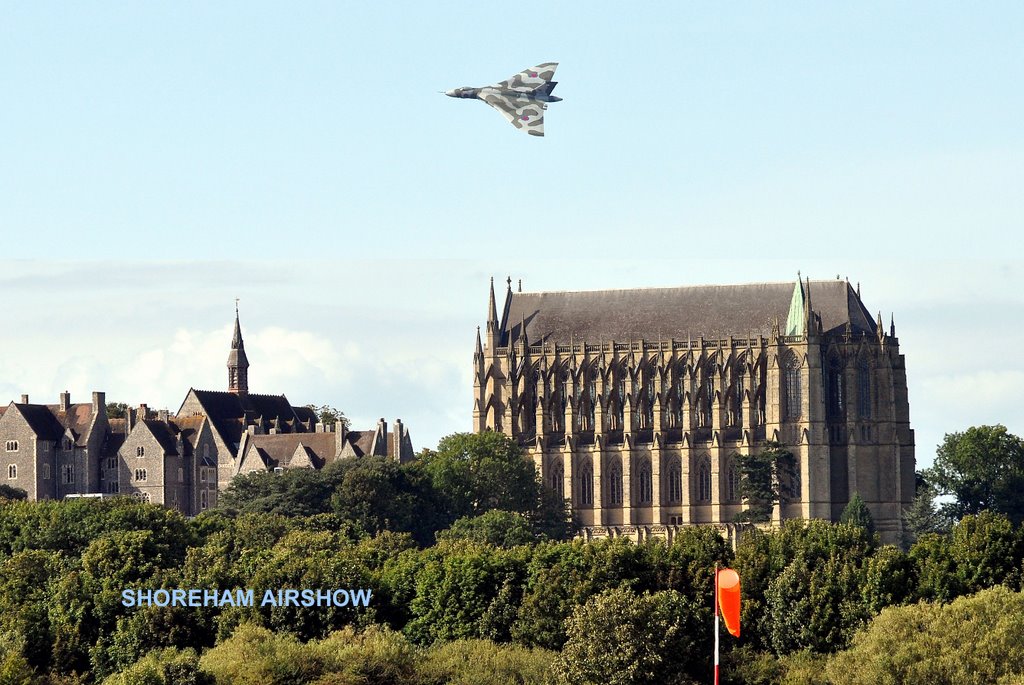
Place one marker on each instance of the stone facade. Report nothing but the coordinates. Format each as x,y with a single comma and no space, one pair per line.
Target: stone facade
633,404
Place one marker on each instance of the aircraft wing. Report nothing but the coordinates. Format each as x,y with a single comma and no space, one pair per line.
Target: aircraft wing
523,113
529,79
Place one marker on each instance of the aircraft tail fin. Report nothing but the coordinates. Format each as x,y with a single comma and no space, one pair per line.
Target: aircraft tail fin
546,88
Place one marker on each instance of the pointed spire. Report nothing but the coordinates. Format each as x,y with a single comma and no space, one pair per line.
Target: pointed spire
807,305
479,345
878,325
238,363
892,324
492,311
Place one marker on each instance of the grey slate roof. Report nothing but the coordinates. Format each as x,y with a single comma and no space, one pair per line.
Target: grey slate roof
41,420
712,311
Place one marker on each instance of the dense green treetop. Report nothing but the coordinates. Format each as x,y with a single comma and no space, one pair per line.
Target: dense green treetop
982,468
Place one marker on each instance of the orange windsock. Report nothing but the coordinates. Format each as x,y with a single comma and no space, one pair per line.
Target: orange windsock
729,599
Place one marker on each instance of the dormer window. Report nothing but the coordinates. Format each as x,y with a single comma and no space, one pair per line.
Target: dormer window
67,444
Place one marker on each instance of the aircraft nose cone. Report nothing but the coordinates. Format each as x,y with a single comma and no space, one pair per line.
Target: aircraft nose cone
451,93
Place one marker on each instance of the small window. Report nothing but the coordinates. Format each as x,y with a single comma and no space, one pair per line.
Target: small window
204,499
145,497
67,444
140,474
202,474
112,463
140,451
181,475
12,471
12,445
46,472
68,474
206,451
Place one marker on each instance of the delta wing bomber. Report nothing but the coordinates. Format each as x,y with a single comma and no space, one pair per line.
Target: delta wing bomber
521,99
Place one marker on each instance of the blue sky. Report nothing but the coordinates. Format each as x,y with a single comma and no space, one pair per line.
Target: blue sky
250,130
159,159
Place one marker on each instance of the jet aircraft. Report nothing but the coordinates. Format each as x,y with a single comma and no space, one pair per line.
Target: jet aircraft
521,99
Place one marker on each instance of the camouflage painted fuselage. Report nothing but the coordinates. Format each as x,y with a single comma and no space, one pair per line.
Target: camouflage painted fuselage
521,99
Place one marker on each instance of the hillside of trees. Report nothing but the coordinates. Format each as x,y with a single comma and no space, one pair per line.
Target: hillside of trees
475,581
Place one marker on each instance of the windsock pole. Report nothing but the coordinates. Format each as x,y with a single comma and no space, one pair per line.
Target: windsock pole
716,624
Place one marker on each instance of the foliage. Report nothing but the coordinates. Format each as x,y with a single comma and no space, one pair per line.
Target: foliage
9,492
481,662
117,410
765,479
258,656
856,514
922,516
330,416
477,472
496,527
621,638
983,469
912,644
163,667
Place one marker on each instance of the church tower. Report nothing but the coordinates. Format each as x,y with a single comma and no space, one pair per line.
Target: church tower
238,363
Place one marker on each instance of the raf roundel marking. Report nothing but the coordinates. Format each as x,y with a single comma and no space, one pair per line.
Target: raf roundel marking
526,118
533,74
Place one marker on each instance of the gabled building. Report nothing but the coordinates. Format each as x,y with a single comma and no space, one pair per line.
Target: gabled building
54,450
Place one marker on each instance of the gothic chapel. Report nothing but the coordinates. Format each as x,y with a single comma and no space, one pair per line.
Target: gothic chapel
634,403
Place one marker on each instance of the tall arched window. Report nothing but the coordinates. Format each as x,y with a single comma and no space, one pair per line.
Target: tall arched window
704,481
732,483
140,451
791,383
863,389
555,478
645,482
615,484
586,479
739,386
834,380
675,483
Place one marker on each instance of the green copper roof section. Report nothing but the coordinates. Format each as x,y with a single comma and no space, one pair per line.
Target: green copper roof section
797,317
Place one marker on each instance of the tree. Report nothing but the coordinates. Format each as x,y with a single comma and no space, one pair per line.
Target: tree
975,639
476,472
621,638
765,480
856,514
495,527
982,468
329,416
117,410
10,492
922,516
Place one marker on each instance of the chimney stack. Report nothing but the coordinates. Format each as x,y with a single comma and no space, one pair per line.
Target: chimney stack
65,401
99,402
24,399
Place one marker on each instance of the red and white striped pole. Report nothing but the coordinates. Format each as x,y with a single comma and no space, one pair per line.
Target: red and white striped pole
716,624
